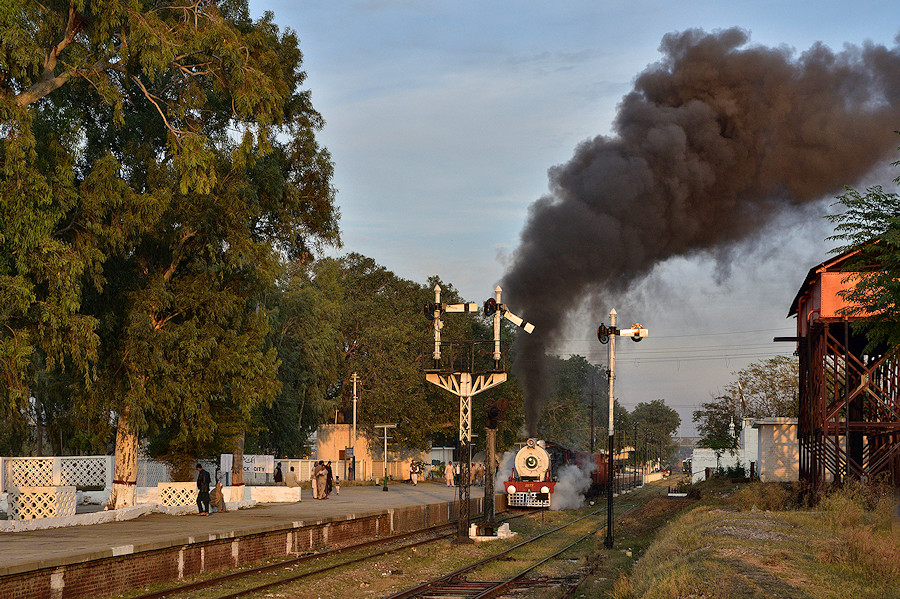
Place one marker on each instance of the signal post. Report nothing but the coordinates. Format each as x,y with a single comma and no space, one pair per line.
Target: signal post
608,334
466,383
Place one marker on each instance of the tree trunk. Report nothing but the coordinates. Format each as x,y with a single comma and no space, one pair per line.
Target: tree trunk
39,426
125,471
237,469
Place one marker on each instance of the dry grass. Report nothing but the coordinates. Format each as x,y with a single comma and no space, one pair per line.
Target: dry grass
752,540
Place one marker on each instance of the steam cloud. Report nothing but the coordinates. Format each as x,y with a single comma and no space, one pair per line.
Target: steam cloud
714,141
572,482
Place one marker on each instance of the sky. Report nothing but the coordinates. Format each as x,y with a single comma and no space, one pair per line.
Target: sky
443,119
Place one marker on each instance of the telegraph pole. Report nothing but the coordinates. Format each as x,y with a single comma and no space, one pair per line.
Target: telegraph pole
608,335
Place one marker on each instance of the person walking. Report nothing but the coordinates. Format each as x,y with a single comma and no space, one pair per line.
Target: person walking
414,473
448,474
202,490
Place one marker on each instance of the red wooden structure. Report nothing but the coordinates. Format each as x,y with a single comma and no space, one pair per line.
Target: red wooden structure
849,424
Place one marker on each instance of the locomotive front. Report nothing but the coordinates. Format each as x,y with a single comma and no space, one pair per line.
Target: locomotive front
531,483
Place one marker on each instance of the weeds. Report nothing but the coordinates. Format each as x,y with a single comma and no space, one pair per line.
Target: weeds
849,544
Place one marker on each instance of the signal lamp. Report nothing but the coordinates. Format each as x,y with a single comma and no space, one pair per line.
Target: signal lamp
490,307
603,333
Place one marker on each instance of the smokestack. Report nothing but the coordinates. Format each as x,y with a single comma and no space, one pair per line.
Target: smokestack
714,141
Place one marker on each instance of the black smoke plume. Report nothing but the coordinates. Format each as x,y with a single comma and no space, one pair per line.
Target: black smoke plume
713,142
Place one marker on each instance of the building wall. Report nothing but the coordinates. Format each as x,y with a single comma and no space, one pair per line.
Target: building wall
779,452
745,454
334,438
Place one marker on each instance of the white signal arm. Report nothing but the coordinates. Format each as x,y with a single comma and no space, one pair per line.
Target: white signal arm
519,322
471,307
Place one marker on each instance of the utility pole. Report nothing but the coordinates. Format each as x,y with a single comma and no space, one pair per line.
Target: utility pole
608,335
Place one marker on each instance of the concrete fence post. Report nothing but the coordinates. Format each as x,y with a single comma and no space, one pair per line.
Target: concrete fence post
57,471
110,463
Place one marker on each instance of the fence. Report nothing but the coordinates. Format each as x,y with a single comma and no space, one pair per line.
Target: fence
97,471
59,471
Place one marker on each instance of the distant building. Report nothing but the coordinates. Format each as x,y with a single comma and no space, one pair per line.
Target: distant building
779,452
744,455
767,447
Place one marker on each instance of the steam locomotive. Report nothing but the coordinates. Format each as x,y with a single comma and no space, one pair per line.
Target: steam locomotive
536,472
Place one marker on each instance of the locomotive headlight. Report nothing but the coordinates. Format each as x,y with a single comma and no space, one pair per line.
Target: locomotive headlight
545,489
532,462
511,489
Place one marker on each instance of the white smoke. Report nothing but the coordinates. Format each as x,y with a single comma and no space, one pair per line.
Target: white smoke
573,482
504,470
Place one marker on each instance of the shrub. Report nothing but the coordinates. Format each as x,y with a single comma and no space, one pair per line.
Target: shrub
764,496
736,471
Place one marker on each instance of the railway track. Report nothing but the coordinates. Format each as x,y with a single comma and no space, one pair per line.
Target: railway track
262,579
457,585
281,573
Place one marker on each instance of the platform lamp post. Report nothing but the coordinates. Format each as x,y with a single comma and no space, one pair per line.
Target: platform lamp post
608,334
385,427
355,378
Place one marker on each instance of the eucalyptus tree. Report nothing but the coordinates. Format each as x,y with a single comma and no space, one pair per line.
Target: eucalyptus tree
307,307
159,161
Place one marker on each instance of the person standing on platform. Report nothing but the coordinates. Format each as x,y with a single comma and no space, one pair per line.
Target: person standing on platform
293,482
448,474
456,473
321,476
329,479
312,481
203,490
279,477
414,473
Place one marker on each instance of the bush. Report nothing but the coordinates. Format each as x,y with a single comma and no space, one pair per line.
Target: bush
736,471
765,496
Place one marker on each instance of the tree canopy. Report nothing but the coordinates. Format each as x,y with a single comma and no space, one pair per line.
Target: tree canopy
767,388
868,228
159,162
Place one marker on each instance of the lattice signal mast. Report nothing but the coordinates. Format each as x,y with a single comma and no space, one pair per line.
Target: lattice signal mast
466,383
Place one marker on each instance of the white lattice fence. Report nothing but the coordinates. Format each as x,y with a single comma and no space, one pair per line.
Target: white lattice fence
28,472
177,493
26,503
89,471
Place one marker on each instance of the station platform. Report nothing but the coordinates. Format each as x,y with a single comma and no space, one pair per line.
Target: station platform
42,563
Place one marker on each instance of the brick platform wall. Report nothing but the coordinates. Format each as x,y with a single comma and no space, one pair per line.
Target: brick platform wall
108,576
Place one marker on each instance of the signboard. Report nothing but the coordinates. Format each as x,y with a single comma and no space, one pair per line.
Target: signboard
262,464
